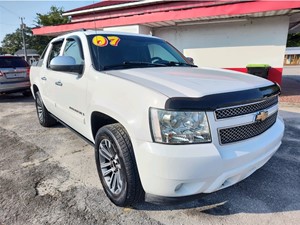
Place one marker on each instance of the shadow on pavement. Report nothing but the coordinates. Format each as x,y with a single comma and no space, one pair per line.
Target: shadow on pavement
272,188
15,97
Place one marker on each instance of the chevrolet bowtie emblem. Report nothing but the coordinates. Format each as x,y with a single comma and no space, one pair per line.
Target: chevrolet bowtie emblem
261,116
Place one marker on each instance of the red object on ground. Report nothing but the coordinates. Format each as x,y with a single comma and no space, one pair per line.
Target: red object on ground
275,74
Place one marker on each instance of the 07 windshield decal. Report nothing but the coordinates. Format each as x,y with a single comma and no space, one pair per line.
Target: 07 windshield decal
102,41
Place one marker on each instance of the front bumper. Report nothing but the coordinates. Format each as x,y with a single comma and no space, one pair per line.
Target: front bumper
183,170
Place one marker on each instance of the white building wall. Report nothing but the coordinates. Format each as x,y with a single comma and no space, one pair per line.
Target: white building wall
137,29
129,29
231,44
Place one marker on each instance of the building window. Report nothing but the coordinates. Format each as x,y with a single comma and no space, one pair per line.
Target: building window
292,59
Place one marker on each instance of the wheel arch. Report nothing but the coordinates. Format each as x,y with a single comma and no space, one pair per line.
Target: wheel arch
35,89
99,120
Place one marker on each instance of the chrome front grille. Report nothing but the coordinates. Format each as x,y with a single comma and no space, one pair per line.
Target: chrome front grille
245,109
243,132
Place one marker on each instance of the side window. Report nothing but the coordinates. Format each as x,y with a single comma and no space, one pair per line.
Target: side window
156,50
55,50
42,56
73,48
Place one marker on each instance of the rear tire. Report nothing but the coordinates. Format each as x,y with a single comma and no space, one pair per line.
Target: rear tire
45,119
116,166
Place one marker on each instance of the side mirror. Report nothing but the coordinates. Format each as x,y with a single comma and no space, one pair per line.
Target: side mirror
65,64
190,59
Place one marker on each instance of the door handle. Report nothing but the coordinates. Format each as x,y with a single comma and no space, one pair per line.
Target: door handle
58,83
43,78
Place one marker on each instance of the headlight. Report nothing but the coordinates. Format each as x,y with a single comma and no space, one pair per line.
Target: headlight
177,127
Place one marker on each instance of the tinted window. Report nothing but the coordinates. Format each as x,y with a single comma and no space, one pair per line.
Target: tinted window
73,48
12,62
122,51
41,59
158,51
55,50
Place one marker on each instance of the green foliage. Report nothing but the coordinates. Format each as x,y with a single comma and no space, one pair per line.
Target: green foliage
54,17
39,43
293,40
13,42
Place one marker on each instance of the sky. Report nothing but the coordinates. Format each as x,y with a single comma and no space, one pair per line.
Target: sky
11,11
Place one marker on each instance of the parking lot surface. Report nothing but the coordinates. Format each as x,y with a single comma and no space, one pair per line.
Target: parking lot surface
48,176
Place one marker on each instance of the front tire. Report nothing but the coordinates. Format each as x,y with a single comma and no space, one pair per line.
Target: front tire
116,166
45,119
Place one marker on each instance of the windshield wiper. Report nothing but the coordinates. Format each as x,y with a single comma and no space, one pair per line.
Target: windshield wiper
172,63
132,64
143,63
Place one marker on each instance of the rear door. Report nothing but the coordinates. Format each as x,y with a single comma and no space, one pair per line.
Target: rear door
48,77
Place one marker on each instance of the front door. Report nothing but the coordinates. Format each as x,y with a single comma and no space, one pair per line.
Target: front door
71,87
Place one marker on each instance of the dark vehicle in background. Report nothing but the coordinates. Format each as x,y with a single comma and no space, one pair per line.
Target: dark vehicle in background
14,75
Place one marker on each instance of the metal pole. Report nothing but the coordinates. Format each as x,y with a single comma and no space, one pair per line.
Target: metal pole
23,36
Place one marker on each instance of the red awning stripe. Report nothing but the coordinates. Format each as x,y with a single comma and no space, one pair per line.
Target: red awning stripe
228,9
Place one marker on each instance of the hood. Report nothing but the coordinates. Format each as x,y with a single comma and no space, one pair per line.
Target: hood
190,81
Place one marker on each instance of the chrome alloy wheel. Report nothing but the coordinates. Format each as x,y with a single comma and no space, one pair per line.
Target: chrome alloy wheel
110,166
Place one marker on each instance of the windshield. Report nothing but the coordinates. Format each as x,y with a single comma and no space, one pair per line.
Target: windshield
123,52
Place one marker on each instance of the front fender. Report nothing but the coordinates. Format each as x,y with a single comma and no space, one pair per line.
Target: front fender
124,101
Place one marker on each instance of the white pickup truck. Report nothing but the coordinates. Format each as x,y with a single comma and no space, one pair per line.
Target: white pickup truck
160,126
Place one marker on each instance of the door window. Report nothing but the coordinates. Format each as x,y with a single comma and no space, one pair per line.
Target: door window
158,51
73,49
55,50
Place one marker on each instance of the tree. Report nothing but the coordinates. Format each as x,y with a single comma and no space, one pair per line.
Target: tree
13,42
40,43
54,17
293,40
